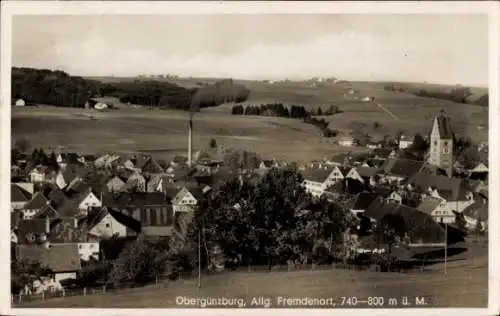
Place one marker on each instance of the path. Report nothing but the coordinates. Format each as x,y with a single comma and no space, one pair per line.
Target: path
387,111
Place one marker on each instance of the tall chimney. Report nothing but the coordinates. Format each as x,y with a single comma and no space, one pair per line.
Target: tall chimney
190,141
47,225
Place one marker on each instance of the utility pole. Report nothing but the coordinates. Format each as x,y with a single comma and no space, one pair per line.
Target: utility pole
445,246
199,259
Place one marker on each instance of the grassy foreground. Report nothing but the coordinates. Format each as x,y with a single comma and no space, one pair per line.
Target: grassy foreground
464,285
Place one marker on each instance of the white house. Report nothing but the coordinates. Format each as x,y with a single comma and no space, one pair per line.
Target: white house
187,198
103,225
346,141
88,250
394,197
405,142
317,179
18,197
89,200
38,174
362,174
20,102
479,168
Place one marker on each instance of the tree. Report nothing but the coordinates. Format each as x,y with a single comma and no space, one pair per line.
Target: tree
52,161
23,144
139,263
478,228
25,272
460,221
319,112
419,144
213,143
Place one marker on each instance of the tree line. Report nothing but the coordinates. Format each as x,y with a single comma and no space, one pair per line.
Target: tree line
54,87
458,95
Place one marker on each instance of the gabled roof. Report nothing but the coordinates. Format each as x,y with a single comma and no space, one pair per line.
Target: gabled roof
139,199
450,188
27,228
366,172
421,227
195,190
151,166
64,231
58,258
382,152
428,204
37,202
18,194
95,216
364,200
477,210
317,174
401,167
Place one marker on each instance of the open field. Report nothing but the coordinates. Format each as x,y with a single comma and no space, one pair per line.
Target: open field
464,285
164,132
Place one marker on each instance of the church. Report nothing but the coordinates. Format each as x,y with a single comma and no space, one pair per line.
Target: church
442,140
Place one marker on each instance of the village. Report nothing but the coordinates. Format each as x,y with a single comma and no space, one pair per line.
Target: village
65,206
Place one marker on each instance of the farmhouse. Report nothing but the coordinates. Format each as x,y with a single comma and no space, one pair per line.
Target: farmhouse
365,175
102,224
397,170
346,141
316,180
405,142
20,102
63,259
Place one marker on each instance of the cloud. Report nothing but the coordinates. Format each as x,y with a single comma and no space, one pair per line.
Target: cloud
351,53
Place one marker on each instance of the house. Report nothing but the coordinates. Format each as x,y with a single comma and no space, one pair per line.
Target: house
432,206
316,180
106,161
373,145
136,182
66,176
187,198
338,160
453,191
20,102
151,167
157,183
420,228
101,224
144,212
38,174
31,232
476,212
74,231
397,170
382,153
346,141
115,185
405,142
38,204
365,175
63,260
394,197
18,197
85,200
27,186
480,171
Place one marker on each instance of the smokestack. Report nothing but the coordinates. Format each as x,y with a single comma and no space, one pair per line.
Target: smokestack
190,142
47,225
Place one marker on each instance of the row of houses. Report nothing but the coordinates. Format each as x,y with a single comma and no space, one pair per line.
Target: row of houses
394,179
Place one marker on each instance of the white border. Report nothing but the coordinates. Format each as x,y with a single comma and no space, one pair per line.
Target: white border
10,8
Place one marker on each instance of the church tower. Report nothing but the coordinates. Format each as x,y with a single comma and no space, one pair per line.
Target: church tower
441,143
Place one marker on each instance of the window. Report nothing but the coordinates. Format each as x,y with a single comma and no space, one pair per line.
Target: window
79,247
446,143
445,150
435,143
91,246
107,225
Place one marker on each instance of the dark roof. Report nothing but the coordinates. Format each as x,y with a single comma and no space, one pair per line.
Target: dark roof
18,194
157,216
139,199
382,152
477,210
317,174
428,204
444,125
95,216
364,200
421,227
449,188
58,258
151,166
46,211
37,202
366,172
132,225
267,163
28,231
401,167
64,231
180,159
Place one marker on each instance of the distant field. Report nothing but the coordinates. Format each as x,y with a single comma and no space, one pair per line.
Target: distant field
464,285
164,132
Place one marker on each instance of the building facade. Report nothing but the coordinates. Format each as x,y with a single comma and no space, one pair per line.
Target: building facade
441,144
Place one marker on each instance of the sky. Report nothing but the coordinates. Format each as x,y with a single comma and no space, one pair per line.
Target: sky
448,49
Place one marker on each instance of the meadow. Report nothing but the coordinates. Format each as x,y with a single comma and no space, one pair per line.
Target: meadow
464,285
164,132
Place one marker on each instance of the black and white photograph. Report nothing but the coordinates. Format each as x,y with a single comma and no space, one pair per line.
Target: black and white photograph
249,155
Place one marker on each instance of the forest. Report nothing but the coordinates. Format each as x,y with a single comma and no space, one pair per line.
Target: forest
57,88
